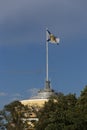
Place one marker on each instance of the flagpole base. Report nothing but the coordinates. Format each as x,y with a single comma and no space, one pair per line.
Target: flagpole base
45,93
47,85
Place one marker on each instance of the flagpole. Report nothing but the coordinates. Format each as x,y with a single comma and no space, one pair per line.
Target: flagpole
46,56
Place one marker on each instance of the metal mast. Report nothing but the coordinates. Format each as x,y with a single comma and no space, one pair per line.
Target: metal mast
47,85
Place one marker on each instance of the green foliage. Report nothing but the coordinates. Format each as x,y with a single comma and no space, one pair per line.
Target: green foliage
81,108
64,113
16,116
14,109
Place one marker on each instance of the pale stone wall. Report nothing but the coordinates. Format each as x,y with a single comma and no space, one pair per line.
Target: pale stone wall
34,102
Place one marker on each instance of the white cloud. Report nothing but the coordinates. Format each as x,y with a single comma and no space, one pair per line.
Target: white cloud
6,98
2,94
32,91
15,96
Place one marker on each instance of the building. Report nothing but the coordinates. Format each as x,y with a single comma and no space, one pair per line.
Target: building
41,97
37,102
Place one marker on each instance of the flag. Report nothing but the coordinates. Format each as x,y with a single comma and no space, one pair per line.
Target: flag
51,38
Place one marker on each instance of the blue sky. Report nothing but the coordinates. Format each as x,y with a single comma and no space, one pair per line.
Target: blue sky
22,47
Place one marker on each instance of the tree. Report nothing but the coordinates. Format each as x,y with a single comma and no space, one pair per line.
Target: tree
65,112
16,116
2,121
81,109
57,114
